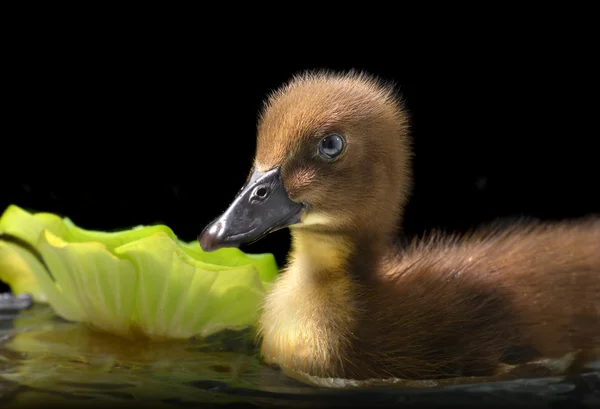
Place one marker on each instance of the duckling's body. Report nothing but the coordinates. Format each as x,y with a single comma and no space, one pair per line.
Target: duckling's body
333,164
442,307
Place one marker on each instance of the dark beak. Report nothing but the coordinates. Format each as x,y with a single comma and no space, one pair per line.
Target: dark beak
261,207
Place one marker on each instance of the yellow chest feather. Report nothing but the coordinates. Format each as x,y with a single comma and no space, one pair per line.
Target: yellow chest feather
304,326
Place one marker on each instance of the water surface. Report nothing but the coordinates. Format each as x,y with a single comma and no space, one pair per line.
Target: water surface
46,360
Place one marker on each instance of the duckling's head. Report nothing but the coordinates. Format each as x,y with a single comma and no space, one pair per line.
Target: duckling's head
333,156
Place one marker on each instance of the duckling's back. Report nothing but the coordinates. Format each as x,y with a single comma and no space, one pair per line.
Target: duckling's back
465,306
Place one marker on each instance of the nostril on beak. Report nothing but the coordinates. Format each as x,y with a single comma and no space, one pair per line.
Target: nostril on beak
208,238
259,194
262,192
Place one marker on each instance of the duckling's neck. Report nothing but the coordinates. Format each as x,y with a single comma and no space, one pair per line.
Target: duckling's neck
325,257
310,314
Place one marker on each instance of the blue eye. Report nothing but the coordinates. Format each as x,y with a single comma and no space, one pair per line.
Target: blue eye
331,146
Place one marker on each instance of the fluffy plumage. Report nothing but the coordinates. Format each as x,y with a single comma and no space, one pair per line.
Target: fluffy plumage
350,304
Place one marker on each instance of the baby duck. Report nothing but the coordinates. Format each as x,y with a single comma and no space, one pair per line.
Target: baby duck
333,163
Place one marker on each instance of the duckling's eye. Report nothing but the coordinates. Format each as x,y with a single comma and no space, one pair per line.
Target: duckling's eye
331,146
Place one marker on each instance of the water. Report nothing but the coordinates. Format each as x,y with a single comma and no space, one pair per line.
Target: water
46,360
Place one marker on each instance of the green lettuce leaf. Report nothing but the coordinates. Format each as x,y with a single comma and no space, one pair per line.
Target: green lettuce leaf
17,267
138,282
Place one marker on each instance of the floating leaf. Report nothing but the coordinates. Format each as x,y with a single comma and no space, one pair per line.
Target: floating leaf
142,281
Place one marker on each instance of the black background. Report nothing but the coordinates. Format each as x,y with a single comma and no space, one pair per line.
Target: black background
113,137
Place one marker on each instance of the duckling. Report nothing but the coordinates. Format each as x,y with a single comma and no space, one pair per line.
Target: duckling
333,164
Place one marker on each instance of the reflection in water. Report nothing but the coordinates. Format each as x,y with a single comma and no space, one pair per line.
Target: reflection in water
48,360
